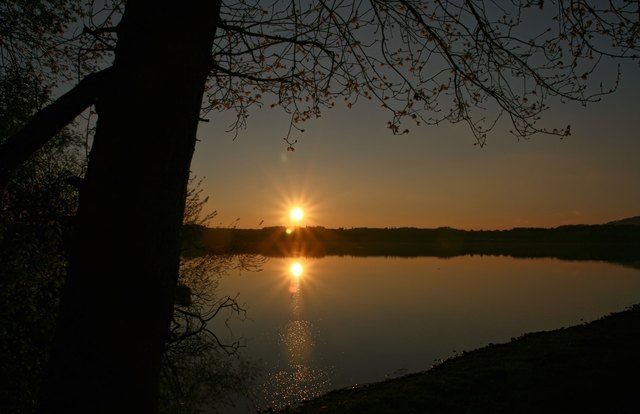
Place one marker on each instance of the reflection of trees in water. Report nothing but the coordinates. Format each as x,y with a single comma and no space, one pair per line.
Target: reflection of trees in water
201,372
199,369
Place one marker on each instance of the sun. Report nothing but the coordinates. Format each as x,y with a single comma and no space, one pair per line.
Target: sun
296,214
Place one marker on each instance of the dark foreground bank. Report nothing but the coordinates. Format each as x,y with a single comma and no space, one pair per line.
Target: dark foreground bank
590,368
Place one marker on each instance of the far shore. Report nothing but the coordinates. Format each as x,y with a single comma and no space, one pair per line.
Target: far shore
613,243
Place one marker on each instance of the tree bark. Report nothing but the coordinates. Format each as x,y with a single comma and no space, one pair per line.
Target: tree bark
118,300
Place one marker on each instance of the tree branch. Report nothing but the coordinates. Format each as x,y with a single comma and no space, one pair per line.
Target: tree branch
48,122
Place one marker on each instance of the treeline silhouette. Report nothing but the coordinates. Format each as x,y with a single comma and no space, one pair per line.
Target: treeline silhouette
618,243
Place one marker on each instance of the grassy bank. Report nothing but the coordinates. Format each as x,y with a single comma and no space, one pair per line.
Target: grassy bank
590,368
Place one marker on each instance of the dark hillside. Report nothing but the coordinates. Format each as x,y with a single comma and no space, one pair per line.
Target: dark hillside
629,221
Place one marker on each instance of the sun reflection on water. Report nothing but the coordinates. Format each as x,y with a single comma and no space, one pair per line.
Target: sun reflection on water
299,379
298,341
296,270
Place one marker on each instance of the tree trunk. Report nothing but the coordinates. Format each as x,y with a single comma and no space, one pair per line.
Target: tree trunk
118,300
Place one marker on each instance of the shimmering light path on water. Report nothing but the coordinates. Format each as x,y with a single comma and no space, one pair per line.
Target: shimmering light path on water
320,324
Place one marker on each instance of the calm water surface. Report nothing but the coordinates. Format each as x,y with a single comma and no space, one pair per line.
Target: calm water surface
344,321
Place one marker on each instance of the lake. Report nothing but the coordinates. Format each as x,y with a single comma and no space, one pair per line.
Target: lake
335,322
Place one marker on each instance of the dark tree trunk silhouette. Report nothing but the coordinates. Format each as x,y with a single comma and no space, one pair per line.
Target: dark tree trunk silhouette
118,300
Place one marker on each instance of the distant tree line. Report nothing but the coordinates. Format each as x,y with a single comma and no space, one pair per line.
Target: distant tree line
575,242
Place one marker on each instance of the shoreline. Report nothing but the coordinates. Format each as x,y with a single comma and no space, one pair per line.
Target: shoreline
591,367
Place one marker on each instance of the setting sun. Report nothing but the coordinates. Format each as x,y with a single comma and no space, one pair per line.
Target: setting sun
296,214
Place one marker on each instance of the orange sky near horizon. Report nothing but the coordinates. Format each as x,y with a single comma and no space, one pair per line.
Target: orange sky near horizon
348,170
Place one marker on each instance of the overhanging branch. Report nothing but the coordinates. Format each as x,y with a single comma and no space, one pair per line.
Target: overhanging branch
48,122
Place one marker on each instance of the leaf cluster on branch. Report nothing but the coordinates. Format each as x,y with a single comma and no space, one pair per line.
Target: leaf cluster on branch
425,61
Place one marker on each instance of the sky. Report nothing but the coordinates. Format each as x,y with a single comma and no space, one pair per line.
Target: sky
348,170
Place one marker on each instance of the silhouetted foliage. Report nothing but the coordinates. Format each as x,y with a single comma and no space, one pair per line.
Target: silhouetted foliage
427,62
36,211
148,65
